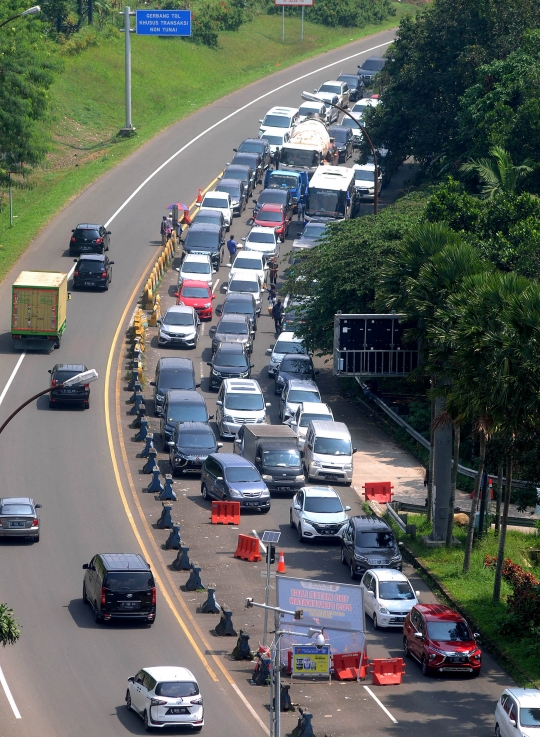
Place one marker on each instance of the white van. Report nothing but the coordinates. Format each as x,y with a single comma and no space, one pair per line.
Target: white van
239,401
328,452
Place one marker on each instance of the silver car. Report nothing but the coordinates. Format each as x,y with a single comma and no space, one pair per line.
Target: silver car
295,392
19,518
179,327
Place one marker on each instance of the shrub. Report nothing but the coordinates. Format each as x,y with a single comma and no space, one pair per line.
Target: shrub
524,602
346,13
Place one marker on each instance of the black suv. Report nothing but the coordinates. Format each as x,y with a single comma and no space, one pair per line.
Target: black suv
230,361
239,304
368,542
89,238
370,67
120,586
181,405
213,217
76,394
294,366
256,146
343,137
254,161
172,373
94,271
242,174
191,444
355,85
232,329
207,239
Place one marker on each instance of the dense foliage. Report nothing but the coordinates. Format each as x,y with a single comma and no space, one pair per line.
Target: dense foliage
346,13
524,602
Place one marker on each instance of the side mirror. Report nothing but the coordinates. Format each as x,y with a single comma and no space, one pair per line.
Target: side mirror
38,506
258,459
210,417
476,635
252,332
235,149
171,443
152,383
317,372
400,544
260,121
370,592
209,363
297,506
219,310
229,265
75,260
419,635
219,403
228,163
198,385
212,331
108,232
73,230
417,594
225,288
268,352
354,450
213,296
111,263
249,222
131,679
347,509
219,478
268,404
177,294
177,269
243,239
513,722
254,202
50,371
85,565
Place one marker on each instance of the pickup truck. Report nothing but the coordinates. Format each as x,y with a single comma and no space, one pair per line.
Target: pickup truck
296,182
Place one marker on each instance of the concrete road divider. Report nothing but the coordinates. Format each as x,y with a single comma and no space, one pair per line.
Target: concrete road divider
242,650
173,542
137,421
143,431
304,727
137,388
248,548
224,628
378,491
168,495
151,463
261,675
348,665
155,486
137,404
165,521
182,562
387,671
194,582
285,701
210,606
145,452
225,513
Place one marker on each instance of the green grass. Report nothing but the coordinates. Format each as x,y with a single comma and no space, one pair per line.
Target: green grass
474,590
171,78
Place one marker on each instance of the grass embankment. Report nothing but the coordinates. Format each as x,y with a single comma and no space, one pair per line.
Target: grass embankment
474,591
170,79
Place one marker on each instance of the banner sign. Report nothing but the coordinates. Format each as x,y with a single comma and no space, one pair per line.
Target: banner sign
296,3
163,23
309,661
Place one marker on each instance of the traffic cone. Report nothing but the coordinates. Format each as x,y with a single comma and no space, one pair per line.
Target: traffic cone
199,196
281,565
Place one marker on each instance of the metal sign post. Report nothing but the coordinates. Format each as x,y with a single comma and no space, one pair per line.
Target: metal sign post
293,4
128,128
269,537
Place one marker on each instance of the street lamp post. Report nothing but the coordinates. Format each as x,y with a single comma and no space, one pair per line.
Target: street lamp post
34,10
86,377
309,97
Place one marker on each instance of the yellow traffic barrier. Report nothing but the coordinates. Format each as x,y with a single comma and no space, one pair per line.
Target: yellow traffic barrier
155,316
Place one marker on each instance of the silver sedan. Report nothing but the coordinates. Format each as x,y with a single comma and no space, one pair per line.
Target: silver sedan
19,518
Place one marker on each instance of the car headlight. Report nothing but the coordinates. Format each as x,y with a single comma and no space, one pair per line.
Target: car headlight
235,494
347,466
383,610
227,418
317,464
244,374
299,478
360,557
206,306
164,333
396,557
266,477
215,373
309,522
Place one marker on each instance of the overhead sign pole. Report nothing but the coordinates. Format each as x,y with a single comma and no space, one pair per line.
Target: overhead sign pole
128,128
292,3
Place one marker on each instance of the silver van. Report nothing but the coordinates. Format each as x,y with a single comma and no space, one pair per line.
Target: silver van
328,452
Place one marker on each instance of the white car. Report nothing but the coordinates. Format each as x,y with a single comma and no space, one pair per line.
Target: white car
262,240
286,343
239,401
517,713
196,267
359,108
305,413
246,282
248,261
166,696
278,121
317,511
218,201
388,597
276,140
364,180
179,326
334,88
294,393
327,114
357,134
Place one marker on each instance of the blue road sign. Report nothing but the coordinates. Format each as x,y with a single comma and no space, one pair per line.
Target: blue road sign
163,23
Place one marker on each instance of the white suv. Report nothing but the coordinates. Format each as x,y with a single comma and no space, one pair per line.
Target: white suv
305,413
239,402
248,261
278,121
286,343
197,267
166,696
262,240
218,201
317,511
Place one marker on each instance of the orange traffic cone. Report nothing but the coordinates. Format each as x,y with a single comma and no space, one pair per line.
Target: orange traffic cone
281,565
199,196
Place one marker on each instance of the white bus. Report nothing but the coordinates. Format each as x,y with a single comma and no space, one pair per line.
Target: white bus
331,194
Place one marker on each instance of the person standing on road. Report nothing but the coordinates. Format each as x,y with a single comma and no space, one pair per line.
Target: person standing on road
301,211
277,314
272,271
232,246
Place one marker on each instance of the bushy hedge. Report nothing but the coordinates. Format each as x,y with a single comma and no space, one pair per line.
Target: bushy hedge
346,13
209,17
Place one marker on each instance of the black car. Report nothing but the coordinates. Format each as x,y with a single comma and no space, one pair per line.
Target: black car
76,394
293,366
276,196
344,141
355,85
213,217
120,586
368,542
252,160
369,68
232,329
205,238
239,304
172,373
191,444
89,238
244,174
93,270
258,146
238,192
230,361
181,406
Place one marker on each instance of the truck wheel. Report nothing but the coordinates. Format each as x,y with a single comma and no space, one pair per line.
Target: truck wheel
58,341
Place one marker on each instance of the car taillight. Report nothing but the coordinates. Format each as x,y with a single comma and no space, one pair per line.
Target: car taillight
104,274
73,239
76,273
103,592
54,382
157,702
99,240
87,386
153,594
35,522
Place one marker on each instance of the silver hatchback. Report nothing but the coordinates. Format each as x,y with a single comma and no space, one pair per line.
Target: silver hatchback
19,518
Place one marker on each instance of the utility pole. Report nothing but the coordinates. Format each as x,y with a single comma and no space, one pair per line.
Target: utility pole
128,129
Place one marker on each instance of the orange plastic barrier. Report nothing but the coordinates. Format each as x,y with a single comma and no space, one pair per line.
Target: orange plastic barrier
387,671
378,491
225,513
491,490
347,665
248,548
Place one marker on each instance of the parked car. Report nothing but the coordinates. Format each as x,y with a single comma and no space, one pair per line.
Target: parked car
355,85
93,270
388,597
191,444
276,196
364,180
248,261
212,217
239,401
232,478
369,68
356,130
218,201
332,89
243,174
262,240
241,303
166,696
196,267
179,326
246,282
19,518
307,412
237,191
230,361
326,113
287,342
232,329
172,373
254,161
317,511
293,366
294,393
518,712
89,238
313,231
75,394
278,121
205,238
274,216
197,295
441,641
328,452
344,141
368,542
256,146
181,405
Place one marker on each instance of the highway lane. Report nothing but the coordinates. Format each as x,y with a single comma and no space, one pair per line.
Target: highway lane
66,672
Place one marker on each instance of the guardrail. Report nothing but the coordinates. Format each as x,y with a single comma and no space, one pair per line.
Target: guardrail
422,509
396,518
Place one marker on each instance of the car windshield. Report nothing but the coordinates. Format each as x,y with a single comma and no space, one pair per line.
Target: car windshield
276,121
332,446
209,217
238,173
326,202
239,308
248,263
303,395
196,267
298,157
270,216
246,159
348,123
184,412
248,402
232,189
279,197
128,580
306,418
373,65
230,360
529,716
16,509
176,689
283,458
86,233
296,366
91,267
178,318
241,285
61,376
251,147
335,89
396,591
195,293
259,237
350,79
232,328
242,474
274,140
282,180
176,379
380,539
202,239
309,109
314,230
322,504
289,346
359,107
449,631
364,176
214,202
340,134
196,440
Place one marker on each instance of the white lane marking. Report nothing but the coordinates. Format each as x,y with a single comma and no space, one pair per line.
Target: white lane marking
202,329
13,373
70,274
8,694
202,370
215,286
231,115
250,708
383,707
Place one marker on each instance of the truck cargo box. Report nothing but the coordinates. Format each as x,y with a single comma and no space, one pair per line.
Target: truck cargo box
38,308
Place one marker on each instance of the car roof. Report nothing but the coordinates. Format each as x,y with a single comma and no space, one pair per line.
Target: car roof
124,561
254,255
364,167
234,317
238,167
299,356
363,522
347,74
306,384
173,362
331,81
434,612
16,500
186,428
289,335
244,153
92,257
388,574
309,407
230,183
247,275
242,386
194,283
88,226
199,257
231,459
170,673
209,212
79,367
279,109
227,347
181,310
214,192
527,697
325,491
186,396
254,140
260,229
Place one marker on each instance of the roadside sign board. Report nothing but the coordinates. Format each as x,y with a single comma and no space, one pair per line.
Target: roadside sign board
309,660
294,3
163,23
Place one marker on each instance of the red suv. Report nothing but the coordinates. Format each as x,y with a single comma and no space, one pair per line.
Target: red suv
196,294
274,216
441,640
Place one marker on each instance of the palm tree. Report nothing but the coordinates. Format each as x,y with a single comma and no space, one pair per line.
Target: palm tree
9,629
498,174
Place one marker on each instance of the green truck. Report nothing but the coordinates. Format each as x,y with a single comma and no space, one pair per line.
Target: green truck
38,310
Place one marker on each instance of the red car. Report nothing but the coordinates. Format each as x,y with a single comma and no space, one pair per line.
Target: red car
198,295
441,640
273,216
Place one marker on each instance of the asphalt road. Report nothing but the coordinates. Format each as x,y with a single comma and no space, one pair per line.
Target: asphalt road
67,673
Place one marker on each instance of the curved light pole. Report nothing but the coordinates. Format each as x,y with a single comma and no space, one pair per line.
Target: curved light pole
34,10
310,97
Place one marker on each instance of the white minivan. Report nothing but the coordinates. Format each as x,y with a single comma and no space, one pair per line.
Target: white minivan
239,402
286,343
218,201
328,452
246,282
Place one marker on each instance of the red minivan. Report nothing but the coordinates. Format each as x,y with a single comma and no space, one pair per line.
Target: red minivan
441,640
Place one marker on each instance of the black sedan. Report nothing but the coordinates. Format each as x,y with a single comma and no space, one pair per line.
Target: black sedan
293,366
230,361
344,141
256,146
93,270
275,196
76,394
191,444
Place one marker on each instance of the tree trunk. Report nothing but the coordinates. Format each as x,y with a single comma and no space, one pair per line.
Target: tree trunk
477,484
502,535
500,471
457,440
430,466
